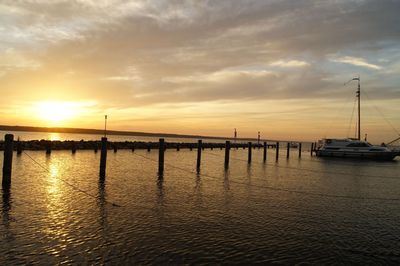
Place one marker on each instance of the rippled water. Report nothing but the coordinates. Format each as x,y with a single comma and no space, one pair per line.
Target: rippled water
298,210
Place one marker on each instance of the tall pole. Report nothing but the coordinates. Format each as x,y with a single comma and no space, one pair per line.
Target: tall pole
359,108
235,135
105,126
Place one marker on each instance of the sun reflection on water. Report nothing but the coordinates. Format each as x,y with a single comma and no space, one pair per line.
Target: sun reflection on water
57,215
54,136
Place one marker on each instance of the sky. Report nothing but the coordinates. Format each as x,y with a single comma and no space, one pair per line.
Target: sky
203,67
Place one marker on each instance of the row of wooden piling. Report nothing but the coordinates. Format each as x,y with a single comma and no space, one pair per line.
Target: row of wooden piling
9,140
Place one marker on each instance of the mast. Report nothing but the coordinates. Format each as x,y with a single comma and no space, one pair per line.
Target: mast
359,107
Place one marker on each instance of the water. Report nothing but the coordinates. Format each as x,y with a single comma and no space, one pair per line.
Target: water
310,210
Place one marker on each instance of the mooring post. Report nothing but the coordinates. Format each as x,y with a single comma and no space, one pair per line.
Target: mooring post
7,160
299,149
277,150
249,155
265,152
288,150
227,149
73,149
161,151
48,147
103,157
19,147
312,148
199,148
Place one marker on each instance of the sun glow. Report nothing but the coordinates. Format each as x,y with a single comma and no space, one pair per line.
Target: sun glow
55,111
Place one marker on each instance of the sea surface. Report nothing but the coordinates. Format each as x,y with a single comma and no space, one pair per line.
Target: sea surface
290,211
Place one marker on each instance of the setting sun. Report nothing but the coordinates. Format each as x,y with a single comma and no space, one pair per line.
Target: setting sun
56,111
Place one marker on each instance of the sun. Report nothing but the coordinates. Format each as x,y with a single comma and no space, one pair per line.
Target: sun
55,111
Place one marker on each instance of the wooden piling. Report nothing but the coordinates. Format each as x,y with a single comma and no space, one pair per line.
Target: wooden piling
249,155
277,150
73,149
199,148
19,147
299,149
7,160
48,147
103,157
265,152
288,150
161,151
312,148
227,149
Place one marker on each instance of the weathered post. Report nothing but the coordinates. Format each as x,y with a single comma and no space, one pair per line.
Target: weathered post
7,160
161,151
73,149
288,150
19,147
133,147
103,157
299,149
115,148
199,148
48,147
265,152
148,147
227,149
277,150
249,155
178,147
312,148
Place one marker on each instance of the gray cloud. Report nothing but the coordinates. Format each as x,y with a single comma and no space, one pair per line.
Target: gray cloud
180,50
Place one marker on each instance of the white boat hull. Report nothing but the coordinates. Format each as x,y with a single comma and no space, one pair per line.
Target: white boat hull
381,155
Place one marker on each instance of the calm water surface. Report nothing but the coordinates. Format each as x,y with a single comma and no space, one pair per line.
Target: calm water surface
292,211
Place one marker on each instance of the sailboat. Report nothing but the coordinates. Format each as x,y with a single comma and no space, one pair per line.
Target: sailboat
355,147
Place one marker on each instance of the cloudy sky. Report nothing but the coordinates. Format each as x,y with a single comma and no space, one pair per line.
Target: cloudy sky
202,67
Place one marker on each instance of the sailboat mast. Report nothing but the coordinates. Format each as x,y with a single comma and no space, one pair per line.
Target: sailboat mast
359,108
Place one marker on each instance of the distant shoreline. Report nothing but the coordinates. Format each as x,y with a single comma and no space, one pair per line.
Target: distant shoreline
110,132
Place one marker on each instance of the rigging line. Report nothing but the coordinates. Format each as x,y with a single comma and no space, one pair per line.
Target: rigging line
283,189
352,115
376,108
310,170
69,184
339,110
